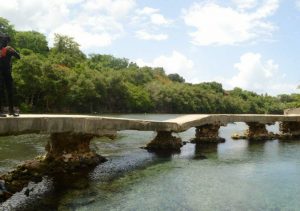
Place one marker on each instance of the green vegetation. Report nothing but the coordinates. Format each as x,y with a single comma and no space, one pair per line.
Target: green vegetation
64,79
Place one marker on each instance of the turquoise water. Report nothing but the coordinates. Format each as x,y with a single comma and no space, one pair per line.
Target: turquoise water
235,175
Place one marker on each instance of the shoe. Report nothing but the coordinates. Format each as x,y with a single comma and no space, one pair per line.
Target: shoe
13,114
2,115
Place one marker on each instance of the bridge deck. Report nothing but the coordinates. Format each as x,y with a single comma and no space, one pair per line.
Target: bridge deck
32,123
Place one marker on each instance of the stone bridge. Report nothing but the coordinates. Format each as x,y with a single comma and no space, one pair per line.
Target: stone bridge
73,132
70,136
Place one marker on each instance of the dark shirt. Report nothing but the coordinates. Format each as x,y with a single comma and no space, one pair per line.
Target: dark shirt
5,61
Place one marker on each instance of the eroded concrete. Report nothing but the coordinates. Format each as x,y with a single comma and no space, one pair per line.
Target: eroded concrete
208,133
258,131
165,141
289,130
98,125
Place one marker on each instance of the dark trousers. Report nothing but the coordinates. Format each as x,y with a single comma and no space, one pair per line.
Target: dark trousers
6,81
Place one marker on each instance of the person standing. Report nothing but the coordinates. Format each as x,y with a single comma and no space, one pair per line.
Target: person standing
6,80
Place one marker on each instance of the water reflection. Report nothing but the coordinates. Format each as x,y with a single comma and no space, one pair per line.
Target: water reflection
203,149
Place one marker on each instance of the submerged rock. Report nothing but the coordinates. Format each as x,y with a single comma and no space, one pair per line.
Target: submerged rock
4,194
236,136
200,157
34,170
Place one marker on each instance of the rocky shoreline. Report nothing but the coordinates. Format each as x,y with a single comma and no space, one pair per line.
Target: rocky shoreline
34,170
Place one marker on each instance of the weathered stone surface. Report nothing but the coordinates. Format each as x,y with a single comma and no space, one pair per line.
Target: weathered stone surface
187,121
289,130
34,170
257,131
208,133
237,136
98,125
4,193
71,149
66,152
67,143
165,141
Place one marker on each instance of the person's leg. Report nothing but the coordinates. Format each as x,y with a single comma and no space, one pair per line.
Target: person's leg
2,96
10,94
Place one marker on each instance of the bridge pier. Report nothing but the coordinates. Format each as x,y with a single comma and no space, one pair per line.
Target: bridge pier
165,141
208,133
71,148
256,132
289,130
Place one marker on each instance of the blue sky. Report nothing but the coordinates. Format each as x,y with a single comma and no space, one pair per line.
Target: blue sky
253,44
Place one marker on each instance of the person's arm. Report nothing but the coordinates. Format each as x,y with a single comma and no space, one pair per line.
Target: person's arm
14,52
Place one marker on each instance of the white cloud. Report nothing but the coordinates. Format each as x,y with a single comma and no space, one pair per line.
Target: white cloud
93,23
159,19
174,63
218,25
150,23
149,15
35,14
147,11
245,4
144,35
260,76
88,40
116,8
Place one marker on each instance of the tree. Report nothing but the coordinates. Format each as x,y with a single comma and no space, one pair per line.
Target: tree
28,75
176,78
8,29
32,40
66,51
63,79
138,99
109,61
86,90
57,85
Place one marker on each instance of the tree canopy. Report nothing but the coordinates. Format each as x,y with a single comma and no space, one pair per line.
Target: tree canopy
63,79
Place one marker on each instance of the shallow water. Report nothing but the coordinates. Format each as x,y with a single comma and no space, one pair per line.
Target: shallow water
235,175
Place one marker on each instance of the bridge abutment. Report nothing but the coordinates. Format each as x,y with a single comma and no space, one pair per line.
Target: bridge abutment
165,141
208,133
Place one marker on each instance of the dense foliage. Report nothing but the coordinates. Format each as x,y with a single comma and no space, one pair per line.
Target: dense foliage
64,79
